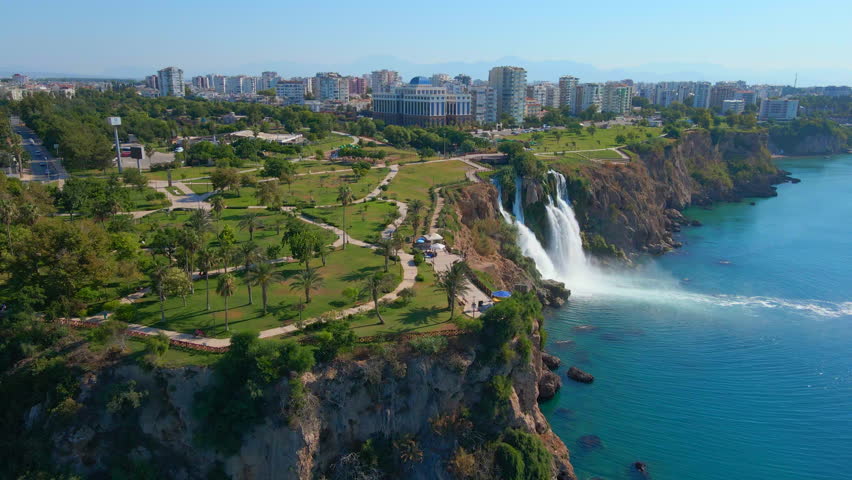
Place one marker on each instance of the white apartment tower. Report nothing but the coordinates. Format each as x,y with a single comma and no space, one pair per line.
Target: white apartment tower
333,87
170,81
617,98
483,104
509,84
702,95
588,94
568,91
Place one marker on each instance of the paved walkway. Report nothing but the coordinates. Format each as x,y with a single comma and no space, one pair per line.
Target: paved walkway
624,156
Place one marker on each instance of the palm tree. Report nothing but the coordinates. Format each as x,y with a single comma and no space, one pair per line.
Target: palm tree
387,246
191,243
217,204
158,278
150,150
376,284
207,261
416,208
251,222
251,254
451,282
199,222
307,280
344,196
263,275
8,210
227,287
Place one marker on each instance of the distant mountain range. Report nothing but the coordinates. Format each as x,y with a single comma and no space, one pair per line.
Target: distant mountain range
536,70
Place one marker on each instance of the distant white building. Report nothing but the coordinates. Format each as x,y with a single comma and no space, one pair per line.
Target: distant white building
383,80
736,106
292,92
421,103
588,95
170,81
702,95
778,110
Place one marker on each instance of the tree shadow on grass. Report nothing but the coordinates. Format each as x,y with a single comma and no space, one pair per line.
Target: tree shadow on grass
421,316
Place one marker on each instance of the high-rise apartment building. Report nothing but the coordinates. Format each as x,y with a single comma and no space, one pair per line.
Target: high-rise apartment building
735,106
701,99
421,103
567,91
616,98
509,84
722,91
483,104
589,95
357,86
268,80
383,80
332,86
152,81
201,82
463,79
170,81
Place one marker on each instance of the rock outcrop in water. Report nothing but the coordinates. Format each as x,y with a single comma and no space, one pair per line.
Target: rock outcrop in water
578,375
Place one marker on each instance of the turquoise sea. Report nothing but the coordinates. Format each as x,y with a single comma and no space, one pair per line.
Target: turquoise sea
729,358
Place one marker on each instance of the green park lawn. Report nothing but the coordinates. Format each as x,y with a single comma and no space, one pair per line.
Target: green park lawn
265,237
414,181
603,138
330,142
365,221
320,189
345,268
138,200
426,312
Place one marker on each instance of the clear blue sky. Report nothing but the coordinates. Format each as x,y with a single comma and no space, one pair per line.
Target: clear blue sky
97,36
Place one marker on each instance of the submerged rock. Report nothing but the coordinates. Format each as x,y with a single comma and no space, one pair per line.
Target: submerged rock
578,375
642,468
550,361
584,328
564,344
590,442
548,385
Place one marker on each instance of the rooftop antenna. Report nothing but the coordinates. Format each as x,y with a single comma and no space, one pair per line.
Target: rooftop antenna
796,80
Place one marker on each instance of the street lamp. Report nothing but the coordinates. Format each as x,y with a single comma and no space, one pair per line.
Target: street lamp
115,122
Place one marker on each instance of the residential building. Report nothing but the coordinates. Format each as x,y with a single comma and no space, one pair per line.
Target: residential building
722,91
292,92
170,82
532,108
509,84
747,96
201,82
439,79
782,110
421,103
588,95
357,86
152,81
19,79
538,92
483,104
616,98
835,91
240,84
332,87
383,80
735,106
567,91
268,80
701,99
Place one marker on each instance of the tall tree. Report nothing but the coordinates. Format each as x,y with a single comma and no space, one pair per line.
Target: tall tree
251,222
344,196
416,208
376,284
8,211
217,204
251,254
307,280
226,288
207,260
451,282
263,275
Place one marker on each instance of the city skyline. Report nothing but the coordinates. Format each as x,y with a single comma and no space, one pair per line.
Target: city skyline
758,44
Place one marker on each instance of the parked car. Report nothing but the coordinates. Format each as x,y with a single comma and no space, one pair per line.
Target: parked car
179,150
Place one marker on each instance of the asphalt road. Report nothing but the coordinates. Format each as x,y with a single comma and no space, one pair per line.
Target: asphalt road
43,166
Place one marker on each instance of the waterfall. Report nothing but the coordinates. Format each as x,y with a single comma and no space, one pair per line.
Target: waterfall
564,260
530,246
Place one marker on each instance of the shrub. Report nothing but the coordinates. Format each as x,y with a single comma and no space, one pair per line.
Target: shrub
429,345
419,278
407,295
126,397
419,258
509,462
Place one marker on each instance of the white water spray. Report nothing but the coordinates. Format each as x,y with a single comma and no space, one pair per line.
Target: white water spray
565,261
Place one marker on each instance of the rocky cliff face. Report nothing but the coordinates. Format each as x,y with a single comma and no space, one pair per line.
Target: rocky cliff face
635,206
396,394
